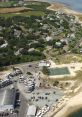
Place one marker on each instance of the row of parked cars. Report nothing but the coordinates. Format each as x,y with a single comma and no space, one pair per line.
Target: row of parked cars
8,80
29,83
42,111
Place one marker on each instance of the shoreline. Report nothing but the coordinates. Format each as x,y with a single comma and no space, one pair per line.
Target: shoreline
72,110
74,104
59,6
65,9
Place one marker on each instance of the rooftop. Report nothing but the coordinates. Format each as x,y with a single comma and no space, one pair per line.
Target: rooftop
7,97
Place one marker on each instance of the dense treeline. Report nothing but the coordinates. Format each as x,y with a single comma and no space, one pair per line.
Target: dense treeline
24,38
21,39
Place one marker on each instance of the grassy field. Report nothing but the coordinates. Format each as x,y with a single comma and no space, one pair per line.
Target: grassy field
68,58
29,13
32,8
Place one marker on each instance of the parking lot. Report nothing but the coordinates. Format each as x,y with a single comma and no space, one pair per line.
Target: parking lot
40,95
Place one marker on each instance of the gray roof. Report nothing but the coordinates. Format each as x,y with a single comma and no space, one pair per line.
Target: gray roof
7,97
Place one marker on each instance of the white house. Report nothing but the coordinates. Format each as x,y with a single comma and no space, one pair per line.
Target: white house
48,38
44,63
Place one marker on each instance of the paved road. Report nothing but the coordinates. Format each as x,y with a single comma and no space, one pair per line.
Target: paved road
23,107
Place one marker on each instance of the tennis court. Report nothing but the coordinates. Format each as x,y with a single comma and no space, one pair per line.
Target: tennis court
59,71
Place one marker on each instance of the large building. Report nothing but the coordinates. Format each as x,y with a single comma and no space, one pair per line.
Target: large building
7,100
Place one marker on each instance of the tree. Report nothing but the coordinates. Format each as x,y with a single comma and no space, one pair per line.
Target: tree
45,70
1,41
56,83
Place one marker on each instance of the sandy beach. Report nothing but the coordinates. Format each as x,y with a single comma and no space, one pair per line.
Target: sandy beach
58,6
72,105
55,6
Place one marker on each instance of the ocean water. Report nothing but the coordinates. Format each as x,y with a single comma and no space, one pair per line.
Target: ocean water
73,4
78,113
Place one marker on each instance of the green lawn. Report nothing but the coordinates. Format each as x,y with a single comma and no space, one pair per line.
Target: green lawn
38,9
29,13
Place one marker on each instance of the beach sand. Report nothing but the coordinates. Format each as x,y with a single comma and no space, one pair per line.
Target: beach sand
55,6
72,105
58,6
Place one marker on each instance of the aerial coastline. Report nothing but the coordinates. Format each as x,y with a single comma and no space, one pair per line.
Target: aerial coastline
72,105
75,102
44,56
65,9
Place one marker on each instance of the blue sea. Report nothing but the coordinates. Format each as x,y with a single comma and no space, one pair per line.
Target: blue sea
78,113
73,4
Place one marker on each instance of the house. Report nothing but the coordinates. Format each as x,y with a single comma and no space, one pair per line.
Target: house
18,52
64,41
1,37
71,35
44,63
81,50
17,33
31,50
4,45
48,38
58,44
45,26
